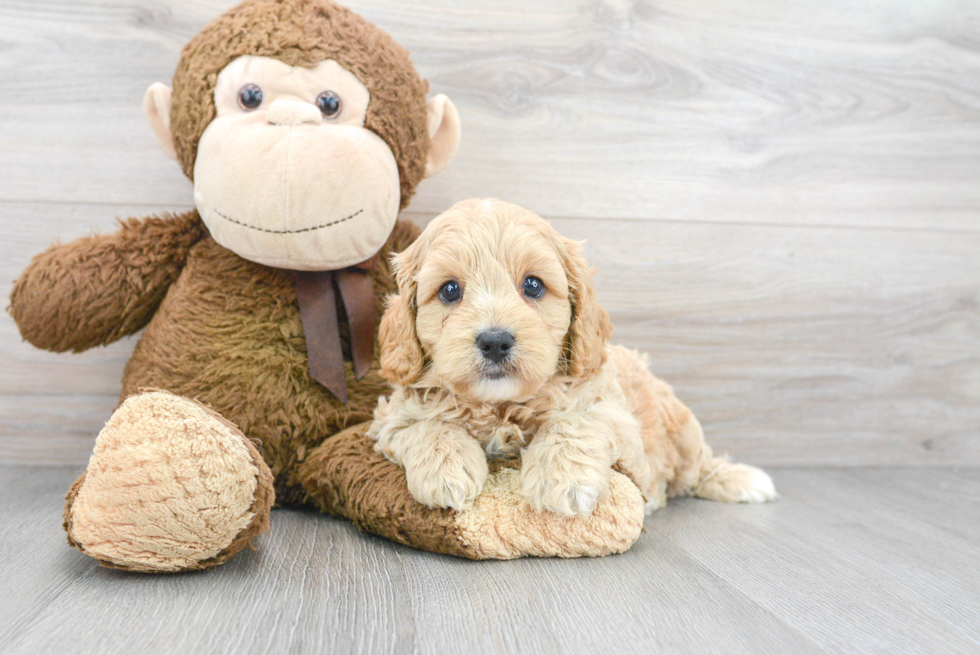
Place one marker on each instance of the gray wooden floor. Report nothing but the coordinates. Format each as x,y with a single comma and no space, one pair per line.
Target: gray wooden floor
872,560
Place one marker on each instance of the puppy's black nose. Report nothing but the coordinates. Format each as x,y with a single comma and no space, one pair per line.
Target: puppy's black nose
495,344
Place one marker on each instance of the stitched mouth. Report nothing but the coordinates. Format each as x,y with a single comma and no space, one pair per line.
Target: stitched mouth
305,229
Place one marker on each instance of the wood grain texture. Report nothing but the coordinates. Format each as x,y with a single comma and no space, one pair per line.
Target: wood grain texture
782,198
812,112
793,345
856,560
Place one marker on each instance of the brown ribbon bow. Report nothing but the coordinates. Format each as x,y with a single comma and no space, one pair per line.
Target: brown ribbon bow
316,293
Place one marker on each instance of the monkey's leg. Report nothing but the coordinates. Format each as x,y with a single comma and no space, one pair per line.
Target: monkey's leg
345,477
171,486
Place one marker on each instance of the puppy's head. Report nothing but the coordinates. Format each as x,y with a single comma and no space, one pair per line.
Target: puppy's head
492,303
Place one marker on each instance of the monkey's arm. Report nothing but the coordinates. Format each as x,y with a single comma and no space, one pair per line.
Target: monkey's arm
100,288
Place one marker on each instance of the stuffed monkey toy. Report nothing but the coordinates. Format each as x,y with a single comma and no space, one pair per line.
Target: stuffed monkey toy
305,130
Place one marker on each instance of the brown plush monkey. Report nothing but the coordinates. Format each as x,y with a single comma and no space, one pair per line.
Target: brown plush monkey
305,130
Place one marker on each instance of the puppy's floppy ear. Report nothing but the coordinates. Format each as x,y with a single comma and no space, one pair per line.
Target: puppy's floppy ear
591,328
401,353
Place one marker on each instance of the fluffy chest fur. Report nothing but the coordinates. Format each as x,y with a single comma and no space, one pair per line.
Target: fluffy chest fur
502,429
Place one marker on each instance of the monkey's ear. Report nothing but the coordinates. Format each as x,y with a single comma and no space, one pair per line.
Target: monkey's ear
443,124
156,107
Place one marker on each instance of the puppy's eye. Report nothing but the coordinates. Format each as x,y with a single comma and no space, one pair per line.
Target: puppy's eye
533,287
249,97
450,292
329,103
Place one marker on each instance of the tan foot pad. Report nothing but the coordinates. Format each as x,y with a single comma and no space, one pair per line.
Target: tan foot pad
171,486
347,478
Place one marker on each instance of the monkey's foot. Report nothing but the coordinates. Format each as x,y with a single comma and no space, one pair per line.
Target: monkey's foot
171,486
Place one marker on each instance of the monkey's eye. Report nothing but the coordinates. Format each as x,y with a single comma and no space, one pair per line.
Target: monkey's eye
249,97
328,103
533,287
450,292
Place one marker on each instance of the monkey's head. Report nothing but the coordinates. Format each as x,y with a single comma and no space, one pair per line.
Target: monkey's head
304,128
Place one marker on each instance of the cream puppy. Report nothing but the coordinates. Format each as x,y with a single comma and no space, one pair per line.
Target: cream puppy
496,346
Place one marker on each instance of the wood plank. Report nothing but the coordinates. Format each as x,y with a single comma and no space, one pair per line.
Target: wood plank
793,345
53,429
878,576
37,563
845,561
815,112
315,585
652,599
917,495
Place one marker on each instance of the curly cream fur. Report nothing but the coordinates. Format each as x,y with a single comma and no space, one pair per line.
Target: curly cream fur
569,404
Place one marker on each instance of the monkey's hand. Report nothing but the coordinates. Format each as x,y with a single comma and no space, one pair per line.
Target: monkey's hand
100,288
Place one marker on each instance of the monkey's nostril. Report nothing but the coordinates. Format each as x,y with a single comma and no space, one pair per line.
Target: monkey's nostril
495,344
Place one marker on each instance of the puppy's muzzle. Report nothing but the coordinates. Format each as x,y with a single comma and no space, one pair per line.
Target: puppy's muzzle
495,344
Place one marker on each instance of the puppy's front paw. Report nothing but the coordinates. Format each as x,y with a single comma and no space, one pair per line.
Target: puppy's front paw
560,484
450,475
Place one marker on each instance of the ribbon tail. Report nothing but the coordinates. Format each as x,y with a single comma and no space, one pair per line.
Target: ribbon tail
357,291
318,311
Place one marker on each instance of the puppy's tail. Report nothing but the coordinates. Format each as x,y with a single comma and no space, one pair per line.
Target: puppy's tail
729,482
725,481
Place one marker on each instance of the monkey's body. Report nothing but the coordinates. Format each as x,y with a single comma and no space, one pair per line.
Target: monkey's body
229,334
218,329
219,410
